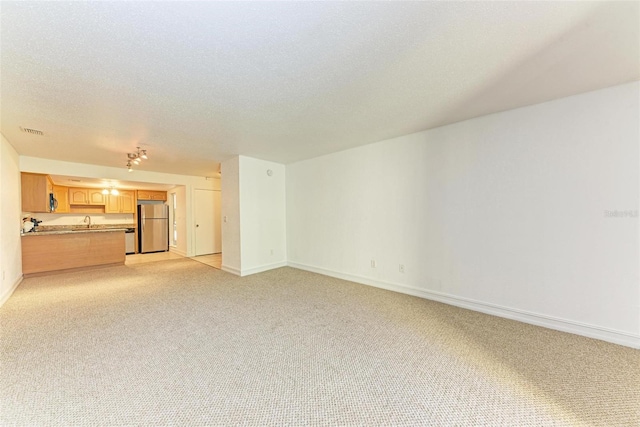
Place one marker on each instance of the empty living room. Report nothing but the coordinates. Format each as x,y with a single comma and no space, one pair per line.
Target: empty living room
427,213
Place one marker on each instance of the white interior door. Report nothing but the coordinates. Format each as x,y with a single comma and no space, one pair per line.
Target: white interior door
204,227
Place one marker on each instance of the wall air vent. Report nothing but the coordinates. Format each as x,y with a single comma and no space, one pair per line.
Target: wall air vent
32,131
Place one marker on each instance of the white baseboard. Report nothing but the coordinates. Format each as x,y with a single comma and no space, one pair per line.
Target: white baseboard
253,270
4,297
177,251
231,270
262,268
591,331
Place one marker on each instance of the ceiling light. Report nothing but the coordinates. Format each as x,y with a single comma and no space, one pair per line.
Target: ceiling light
111,190
136,158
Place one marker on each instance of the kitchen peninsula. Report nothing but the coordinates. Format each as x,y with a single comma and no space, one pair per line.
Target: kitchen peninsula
58,246
66,249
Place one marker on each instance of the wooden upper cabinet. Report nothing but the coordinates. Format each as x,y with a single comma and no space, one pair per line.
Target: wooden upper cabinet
128,201
87,196
96,197
61,194
36,189
122,203
78,196
113,204
152,195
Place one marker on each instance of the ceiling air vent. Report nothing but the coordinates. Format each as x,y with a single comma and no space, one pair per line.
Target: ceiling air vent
32,131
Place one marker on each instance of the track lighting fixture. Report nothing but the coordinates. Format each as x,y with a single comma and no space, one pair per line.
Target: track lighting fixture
135,158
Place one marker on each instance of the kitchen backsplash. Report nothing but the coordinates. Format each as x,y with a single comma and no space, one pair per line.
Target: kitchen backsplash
73,219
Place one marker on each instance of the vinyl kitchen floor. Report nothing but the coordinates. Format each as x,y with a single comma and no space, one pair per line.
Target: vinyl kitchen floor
213,260
152,257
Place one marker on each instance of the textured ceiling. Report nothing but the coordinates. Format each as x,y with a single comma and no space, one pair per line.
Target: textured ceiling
198,82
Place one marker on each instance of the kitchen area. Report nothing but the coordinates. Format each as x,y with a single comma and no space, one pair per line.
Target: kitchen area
70,223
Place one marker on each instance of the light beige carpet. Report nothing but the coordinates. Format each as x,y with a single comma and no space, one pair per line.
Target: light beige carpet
180,343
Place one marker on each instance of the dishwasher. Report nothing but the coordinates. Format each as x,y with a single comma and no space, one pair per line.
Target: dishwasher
130,241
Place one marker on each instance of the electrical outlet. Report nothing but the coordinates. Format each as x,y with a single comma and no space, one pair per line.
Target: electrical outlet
373,263
401,268
271,251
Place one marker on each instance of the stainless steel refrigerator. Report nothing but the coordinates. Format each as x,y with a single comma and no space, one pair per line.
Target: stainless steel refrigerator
153,228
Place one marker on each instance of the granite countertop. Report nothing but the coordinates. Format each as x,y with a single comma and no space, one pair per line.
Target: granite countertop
74,231
50,230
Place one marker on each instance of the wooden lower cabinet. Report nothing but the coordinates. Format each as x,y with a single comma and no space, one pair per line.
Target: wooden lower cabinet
73,250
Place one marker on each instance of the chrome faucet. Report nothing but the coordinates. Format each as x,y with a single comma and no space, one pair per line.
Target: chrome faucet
87,219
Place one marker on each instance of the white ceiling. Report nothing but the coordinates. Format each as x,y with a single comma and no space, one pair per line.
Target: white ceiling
198,82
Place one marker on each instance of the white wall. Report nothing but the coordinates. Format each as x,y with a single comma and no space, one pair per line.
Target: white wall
217,221
231,250
181,247
504,214
10,220
253,203
262,215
